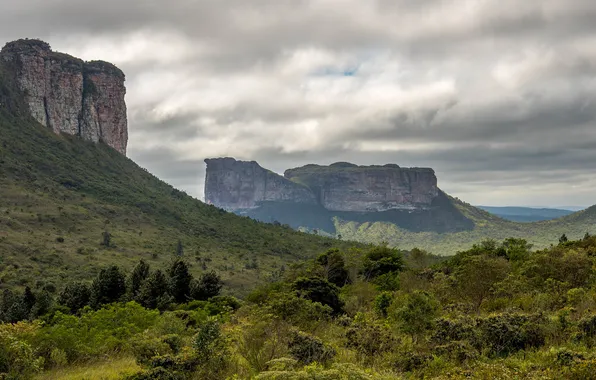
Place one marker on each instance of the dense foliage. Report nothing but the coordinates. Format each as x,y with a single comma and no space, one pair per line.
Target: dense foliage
497,310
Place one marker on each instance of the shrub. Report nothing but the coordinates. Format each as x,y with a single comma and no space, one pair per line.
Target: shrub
319,290
17,357
417,313
458,351
410,361
382,303
369,338
506,333
382,260
308,349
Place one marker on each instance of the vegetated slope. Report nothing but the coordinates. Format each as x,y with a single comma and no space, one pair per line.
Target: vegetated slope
442,217
486,226
526,214
59,194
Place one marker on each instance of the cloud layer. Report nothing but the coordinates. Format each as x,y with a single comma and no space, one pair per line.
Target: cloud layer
498,96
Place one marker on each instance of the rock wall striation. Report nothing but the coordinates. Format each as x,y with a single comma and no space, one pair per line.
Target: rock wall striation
69,95
237,185
348,187
240,185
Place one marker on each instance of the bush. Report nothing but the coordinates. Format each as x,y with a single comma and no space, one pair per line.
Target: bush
17,357
309,349
382,303
507,333
369,339
319,290
410,361
417,313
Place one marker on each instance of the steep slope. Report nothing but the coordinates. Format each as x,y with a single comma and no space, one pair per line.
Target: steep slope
59,194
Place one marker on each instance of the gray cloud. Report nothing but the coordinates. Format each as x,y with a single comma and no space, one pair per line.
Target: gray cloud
498,96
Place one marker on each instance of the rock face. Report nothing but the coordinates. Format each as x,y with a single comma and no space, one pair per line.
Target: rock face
237,185
347,187
241,185
69,95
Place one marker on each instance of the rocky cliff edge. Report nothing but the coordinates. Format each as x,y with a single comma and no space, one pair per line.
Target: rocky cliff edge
236,185
69,95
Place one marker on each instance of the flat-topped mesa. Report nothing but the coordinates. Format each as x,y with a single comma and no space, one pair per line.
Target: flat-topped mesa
240,185
69,95
348,187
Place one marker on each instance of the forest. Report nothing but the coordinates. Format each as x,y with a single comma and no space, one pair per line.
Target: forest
497,310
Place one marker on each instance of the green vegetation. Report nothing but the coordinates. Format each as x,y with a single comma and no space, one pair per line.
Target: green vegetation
485,225
497,310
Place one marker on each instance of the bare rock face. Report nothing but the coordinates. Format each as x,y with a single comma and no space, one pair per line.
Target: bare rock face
68,95
240,185
347,187
104,109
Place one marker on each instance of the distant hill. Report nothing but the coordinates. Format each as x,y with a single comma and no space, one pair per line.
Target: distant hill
526,214
486,226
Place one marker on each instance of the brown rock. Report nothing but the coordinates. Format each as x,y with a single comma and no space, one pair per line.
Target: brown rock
68,95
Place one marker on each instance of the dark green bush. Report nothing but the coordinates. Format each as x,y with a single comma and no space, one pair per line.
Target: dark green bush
309,349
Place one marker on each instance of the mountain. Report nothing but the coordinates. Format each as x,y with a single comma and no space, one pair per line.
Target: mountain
526,214
61,192
402,206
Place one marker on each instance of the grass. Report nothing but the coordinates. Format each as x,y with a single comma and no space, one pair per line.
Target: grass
113,369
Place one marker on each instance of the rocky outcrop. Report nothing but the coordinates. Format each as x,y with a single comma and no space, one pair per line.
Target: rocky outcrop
240,185
343,187
69,95
348,187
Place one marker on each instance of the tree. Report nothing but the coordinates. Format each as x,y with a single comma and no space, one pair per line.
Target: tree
516,249
333,264
138,275
109,286
180,280
417,313
154,291
319,290
28,300
382,260
476,275
179,249
106,239
75,296
43,304
209,285
563,239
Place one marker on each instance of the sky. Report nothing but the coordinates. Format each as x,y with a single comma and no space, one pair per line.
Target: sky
497,96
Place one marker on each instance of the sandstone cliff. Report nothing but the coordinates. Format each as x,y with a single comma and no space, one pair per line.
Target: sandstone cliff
347,187
239,185
236,185
69,95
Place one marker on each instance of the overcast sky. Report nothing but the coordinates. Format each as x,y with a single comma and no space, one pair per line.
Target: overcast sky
498,96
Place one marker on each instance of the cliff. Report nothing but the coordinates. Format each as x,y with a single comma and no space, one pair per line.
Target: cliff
69,95
239,185
343,187
347,187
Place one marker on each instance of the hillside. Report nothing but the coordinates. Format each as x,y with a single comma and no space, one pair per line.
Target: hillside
486,226
60,194
526,214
